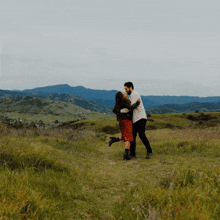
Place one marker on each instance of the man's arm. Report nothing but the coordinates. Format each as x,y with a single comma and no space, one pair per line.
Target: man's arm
130,107
134,97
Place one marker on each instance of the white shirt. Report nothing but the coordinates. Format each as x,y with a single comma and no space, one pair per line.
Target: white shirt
139,112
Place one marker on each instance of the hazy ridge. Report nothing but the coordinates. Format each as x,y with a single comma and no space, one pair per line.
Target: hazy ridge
103,101
107,98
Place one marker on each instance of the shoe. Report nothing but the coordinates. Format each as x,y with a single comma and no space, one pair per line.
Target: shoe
126,156
149,155
132,155
113,140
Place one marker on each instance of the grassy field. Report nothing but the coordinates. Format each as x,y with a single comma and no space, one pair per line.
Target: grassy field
62,173
48,118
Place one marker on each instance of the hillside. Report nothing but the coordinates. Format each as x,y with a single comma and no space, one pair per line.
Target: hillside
78,101
69,98
110,125
33,105
181,108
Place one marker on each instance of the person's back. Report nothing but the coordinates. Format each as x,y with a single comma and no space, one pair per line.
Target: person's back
122,116
139,112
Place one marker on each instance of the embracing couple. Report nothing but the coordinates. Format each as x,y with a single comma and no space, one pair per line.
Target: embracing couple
132,120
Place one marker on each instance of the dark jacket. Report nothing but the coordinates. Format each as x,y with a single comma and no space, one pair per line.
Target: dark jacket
124,116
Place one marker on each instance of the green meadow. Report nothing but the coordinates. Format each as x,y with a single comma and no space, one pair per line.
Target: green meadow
72,173
49,117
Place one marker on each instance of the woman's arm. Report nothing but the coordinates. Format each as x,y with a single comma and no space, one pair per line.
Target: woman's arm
115,110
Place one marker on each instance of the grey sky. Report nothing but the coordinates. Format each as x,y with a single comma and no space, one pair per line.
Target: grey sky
166,47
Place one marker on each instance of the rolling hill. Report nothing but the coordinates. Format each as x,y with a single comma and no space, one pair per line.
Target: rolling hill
69,98
34,105
181,108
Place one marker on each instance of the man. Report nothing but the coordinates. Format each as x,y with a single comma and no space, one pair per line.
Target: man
139,121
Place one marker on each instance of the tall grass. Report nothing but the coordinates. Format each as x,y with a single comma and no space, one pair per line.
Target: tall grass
61,173
185,194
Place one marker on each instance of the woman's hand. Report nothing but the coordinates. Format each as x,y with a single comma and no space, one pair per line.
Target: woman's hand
139,100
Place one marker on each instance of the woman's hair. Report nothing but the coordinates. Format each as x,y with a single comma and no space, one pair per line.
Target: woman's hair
120,100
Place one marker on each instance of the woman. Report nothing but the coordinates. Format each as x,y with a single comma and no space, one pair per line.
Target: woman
125,121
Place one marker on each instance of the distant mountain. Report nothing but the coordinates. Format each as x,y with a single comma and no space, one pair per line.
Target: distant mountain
99,96
8,93
181,108
107,98
103,101
151,101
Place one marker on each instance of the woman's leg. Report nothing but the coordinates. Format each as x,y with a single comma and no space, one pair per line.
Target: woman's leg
127,148
126,130
127,145
113,140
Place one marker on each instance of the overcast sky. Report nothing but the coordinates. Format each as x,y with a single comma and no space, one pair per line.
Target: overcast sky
165,47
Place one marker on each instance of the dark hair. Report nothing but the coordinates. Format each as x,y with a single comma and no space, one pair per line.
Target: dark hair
120,100
129,84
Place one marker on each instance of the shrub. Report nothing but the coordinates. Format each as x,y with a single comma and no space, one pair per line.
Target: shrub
110,129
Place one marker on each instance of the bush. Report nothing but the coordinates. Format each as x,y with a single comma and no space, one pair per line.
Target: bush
110,129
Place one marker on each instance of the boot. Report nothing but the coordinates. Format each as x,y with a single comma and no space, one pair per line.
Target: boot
149,155
113,140
126,155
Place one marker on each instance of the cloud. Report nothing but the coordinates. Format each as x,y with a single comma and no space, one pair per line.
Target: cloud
167,45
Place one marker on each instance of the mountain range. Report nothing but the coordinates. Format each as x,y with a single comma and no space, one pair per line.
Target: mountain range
103,101
185,108
107,98
69,98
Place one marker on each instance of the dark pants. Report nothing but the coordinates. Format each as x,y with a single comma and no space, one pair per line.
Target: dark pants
139,127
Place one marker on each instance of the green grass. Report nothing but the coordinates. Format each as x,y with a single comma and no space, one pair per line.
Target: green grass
180,120
48,118
73,174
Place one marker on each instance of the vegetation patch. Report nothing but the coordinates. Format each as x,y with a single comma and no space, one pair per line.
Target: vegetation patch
151,127
201,117
110,129
16,155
